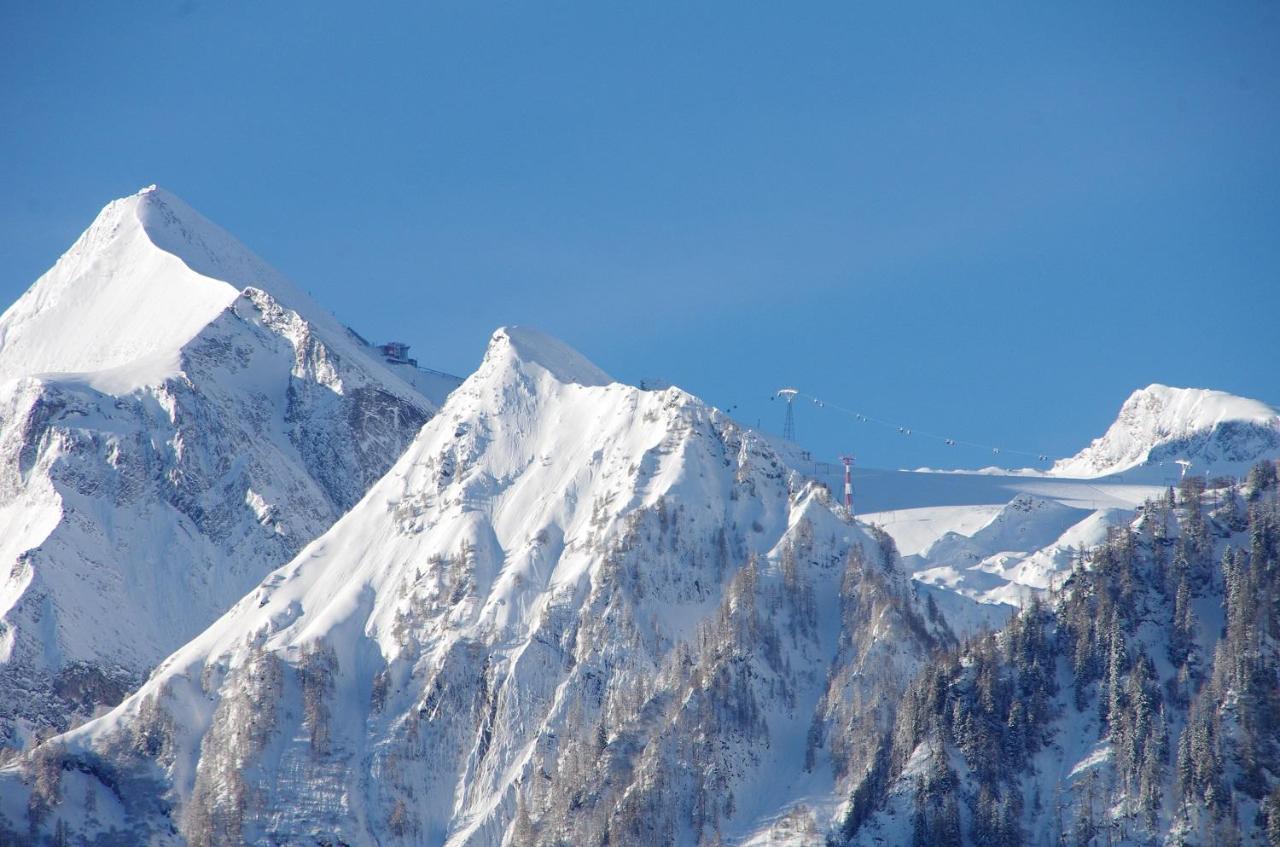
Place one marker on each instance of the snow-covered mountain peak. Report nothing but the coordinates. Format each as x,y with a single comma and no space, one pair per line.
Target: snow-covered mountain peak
176,420
1196,407
518,348
1196,427
146,276
208,249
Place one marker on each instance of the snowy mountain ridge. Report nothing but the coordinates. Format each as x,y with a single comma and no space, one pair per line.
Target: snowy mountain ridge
998,556
1197,427
556,566
556,609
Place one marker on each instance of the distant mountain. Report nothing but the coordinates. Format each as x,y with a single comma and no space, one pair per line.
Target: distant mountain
176,419
1192,428
573,612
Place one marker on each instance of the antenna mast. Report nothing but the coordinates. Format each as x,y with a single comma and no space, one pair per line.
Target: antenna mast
848,483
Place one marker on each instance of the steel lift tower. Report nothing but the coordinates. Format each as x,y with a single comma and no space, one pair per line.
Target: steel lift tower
789,425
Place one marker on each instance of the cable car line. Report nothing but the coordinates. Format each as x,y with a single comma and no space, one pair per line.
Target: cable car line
907,431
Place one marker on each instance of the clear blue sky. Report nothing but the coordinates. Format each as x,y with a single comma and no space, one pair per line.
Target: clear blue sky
988,220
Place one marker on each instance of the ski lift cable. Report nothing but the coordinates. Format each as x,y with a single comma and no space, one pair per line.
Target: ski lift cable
911,431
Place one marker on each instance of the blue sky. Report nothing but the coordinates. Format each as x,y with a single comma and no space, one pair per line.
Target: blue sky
991,221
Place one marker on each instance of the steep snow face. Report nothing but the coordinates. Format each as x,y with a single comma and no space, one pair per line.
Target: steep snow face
1199,429
146,276
165,440
572,608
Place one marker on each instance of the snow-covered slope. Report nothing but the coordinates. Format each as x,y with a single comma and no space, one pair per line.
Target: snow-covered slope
175,421
145,277
573,610
1027,547
1196,428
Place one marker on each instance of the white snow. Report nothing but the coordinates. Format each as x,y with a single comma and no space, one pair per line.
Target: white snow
913,530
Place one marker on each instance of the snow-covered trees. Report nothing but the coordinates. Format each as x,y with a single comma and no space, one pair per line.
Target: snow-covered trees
223,795
1186,718
1232,740
936,818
